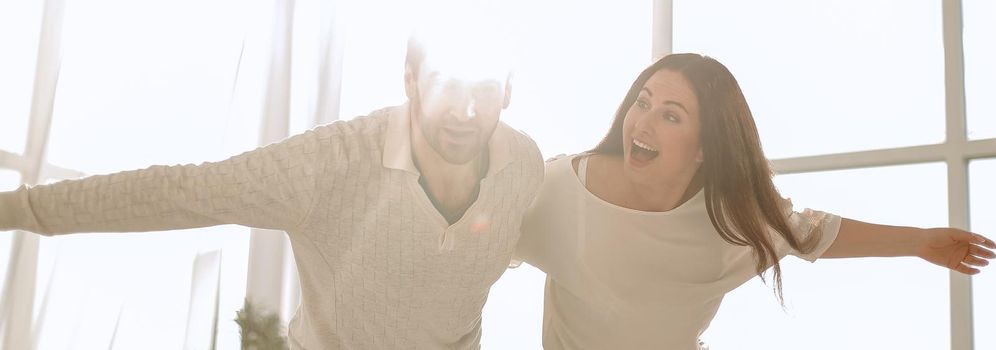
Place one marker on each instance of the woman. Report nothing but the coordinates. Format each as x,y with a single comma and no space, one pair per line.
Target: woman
642,236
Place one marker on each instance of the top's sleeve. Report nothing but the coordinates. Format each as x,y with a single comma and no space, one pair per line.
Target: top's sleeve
815,229
540,230
526,245
536,173
271,187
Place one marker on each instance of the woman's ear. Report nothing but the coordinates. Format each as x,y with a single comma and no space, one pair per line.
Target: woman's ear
699,158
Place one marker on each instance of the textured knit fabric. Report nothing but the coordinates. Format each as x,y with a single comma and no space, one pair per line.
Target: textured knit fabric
380,268
619,278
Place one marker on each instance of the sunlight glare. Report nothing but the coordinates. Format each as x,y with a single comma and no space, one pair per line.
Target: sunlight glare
470,39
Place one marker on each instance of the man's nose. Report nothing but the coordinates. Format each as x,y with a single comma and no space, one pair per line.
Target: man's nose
466,108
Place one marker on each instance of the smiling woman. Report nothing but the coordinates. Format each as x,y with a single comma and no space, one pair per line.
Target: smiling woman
640,246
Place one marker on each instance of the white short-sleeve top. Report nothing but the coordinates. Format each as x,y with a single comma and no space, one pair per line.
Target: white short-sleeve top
619,278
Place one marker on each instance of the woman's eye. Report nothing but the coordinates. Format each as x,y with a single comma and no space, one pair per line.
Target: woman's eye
642,104
672,118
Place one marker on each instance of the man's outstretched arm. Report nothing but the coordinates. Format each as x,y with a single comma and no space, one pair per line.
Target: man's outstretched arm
270,187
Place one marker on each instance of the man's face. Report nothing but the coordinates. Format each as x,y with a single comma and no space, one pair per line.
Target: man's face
457,113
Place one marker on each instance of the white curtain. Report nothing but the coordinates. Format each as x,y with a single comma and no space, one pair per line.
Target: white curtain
120,85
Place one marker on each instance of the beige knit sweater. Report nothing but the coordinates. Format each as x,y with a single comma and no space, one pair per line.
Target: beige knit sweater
380,268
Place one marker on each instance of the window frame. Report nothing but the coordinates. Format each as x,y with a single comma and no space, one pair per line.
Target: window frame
956,151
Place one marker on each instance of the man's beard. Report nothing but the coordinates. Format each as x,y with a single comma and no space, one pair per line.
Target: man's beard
450,155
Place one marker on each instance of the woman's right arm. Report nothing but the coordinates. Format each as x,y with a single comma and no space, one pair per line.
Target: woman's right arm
952,248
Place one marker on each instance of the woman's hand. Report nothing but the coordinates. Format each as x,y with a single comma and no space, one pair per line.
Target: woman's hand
952,248
956,249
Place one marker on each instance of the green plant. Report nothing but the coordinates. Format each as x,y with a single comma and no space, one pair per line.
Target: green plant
260,330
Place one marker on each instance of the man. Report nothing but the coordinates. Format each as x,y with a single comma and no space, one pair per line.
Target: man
400,221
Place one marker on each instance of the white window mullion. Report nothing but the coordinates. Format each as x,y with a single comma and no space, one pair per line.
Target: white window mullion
18,295
332,45
885,157
12,161
979,149
663,27
962,337
862,159
269,251
961,285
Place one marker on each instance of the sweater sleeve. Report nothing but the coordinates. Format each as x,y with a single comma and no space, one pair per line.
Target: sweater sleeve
270,187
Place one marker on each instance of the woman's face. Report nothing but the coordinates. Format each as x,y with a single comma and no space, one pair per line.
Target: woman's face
661,131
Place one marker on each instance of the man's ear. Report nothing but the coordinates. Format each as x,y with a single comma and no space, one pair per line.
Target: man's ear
508,92
410,81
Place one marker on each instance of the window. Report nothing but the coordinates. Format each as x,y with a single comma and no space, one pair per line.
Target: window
19,24
980,73
850,298
156,93
827,76
838,77
981,175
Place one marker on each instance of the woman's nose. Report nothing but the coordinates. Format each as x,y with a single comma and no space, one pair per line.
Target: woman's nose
641,122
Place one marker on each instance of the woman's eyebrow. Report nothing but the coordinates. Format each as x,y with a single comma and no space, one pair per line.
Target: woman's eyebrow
668,102
676,103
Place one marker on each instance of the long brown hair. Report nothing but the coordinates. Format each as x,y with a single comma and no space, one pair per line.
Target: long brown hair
741,199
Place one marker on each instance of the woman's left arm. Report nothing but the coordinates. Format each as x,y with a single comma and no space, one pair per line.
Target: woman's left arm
952,248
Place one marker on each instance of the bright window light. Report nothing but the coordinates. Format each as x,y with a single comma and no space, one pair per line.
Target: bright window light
864,303
146,83
827,76
980,72
20,24
982,187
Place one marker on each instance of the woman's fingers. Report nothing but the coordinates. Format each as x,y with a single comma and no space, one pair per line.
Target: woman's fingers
966,270
975,261
981,252
986,242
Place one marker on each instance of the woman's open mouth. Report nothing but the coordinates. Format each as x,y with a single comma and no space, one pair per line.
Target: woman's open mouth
642,152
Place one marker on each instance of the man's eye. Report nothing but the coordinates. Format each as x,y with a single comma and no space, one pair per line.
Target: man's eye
486,92
447,90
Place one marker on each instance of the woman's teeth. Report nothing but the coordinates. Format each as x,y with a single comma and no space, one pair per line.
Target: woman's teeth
642,152
644,146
